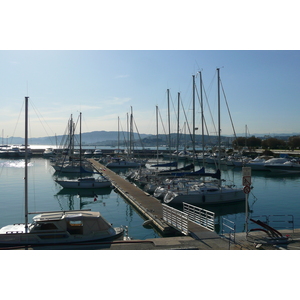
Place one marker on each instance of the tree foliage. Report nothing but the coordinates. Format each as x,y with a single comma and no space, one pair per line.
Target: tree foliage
273,143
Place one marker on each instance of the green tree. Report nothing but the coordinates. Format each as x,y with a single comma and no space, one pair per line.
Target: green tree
254,142
294,142
273,143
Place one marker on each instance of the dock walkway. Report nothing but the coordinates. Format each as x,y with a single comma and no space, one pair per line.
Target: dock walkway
150,207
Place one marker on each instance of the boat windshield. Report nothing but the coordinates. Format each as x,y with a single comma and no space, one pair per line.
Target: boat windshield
42,226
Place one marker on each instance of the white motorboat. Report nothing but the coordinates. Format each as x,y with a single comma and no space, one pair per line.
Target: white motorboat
97,152
22,151
61,227
292,166
48,152
88,153
13,151
257,164
85,183
58,227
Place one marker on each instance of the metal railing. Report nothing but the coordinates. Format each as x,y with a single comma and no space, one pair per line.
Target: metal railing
179,219
228,227
200,216
175,218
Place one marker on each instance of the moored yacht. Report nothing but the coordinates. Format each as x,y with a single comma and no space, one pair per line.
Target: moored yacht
59,228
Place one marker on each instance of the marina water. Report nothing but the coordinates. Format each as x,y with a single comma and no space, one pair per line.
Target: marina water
271,195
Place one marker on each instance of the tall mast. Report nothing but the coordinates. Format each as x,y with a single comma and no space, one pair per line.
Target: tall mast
178,108
80,140
118,135
26,164
219,120
168,93
202,118
131,133
157,134
194,125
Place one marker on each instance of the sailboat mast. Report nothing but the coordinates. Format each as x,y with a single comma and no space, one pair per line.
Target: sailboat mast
178,109
118,135
194,123
157,134
169,122
80,140
202,117
131,133
26,164
219,120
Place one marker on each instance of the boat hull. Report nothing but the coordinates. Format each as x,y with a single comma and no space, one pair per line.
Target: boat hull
69,184
57,238
217,197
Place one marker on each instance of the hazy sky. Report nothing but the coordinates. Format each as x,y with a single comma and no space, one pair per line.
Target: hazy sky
261,86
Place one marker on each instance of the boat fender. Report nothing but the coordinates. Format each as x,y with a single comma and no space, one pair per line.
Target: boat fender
203,198
147,223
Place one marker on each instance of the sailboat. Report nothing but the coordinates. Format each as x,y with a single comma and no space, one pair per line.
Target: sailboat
129,161
207,192
56,227
69,161
84,182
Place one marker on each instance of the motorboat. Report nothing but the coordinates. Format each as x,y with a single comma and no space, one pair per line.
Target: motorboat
13,151
22,151
85,183
97,152
60,227
258,163
48,152
292,166
88,153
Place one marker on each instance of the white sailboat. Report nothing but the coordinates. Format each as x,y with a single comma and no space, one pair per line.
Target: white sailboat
207,192
81,182
122,161
69,162
60,227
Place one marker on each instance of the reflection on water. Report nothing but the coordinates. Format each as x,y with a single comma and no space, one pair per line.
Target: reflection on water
14,163
271,195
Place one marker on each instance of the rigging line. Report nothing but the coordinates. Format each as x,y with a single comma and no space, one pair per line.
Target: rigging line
39,116
162,124
138,134
191,136
206,98
123,132
228,109
17,123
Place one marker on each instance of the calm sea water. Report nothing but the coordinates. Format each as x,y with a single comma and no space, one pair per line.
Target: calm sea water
271,195
46,195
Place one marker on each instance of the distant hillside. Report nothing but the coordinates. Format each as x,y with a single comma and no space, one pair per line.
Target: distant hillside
110,138
88,138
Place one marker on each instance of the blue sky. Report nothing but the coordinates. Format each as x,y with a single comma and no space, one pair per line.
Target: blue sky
171,44
261,87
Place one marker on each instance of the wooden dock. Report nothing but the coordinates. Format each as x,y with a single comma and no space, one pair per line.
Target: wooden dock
149,207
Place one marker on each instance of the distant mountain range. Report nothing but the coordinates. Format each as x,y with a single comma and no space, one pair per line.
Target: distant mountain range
110,138
88,138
